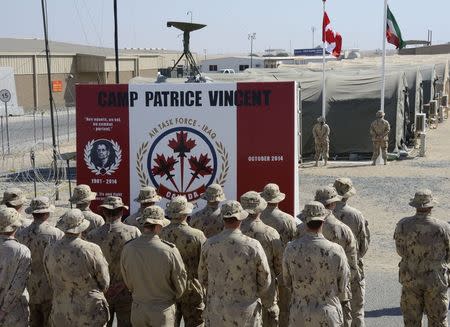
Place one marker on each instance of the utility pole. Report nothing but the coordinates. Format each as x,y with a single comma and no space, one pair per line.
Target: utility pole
251,37
313,30
116,41
50,93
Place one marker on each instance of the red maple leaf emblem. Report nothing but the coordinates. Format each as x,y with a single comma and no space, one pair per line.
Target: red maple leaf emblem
164,167
199,167
182,145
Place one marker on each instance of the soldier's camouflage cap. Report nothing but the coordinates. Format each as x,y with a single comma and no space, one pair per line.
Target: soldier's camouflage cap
232,209
313,211
13,196
41,204
271,193
423,199
253,203
9,220
147,194
153,215
113,202
81,194
214,193
327,195
73,222
344,187
179,206
380,114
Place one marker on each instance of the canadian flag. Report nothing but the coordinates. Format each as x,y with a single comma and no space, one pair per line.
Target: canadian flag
333,40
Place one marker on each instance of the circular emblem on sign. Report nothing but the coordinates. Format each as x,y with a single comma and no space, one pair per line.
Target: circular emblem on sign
181,161
102,156
5,95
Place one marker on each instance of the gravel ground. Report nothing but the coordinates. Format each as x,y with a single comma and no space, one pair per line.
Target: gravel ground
383,196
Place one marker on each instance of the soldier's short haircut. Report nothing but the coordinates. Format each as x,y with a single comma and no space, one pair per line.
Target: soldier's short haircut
150,226
230,220
315,224
113,212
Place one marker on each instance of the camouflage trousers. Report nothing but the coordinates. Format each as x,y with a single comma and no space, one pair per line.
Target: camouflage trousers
284,301
190,306
322,148
314,315
357,302
150,315
347,313
121,307
377,145
18,316
40,314
417,301
232,314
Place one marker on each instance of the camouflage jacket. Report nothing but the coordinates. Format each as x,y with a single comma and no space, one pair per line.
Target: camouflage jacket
234,270
321,133
354,219
188,241
37,237
78,273
94,219
111,237
317,272
132,219
208,220
423,243
15,267
283,223
379,130
153,271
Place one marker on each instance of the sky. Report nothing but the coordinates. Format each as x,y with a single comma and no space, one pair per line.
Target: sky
284,24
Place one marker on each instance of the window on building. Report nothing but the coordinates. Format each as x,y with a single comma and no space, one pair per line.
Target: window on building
212,68
257,65
243,67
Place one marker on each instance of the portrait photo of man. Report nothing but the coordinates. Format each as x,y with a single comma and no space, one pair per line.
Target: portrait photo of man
103,155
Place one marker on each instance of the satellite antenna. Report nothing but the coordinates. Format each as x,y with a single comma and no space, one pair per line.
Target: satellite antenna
187,28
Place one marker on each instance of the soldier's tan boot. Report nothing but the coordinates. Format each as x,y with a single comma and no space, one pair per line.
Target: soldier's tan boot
325,162
385,162
374,163
317,163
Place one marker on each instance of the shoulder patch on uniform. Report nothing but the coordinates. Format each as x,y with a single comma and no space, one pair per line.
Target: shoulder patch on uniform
168,243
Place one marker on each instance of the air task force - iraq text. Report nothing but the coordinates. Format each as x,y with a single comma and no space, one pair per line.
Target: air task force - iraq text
213,98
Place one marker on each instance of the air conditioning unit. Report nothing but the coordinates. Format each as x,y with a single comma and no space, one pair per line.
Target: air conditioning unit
433,108
420,123
444,100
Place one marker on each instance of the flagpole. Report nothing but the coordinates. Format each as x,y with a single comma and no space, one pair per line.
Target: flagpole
383,60
323,66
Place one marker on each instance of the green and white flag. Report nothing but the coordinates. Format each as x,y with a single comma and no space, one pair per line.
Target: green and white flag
393,34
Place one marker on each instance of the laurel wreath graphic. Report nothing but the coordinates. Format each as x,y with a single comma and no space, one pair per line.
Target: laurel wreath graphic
225,164
143,178
112,169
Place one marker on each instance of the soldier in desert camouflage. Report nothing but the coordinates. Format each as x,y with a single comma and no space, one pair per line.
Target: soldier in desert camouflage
317,272
154,272
208,219
270,240
78,274
423,243
354,219
15,267
111,237
321,134
379,131
146,198
37,237
14,198
82,197
285,225
234,270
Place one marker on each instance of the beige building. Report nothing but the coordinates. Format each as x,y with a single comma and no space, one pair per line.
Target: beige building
72,64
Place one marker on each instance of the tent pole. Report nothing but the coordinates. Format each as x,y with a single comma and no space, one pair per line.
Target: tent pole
323,65
383,62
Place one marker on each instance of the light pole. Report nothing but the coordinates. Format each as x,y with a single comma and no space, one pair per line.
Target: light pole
313,30
189,12
251,37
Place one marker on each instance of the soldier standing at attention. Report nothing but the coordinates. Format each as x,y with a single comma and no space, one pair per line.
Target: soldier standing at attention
14,198
354,219
317,272
337,232
82,197
154,272
379,130
146,198
234,270
321,134
208,219
15,266
78,274
270,240
423,243
285,225
37,237
189,242
111,237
